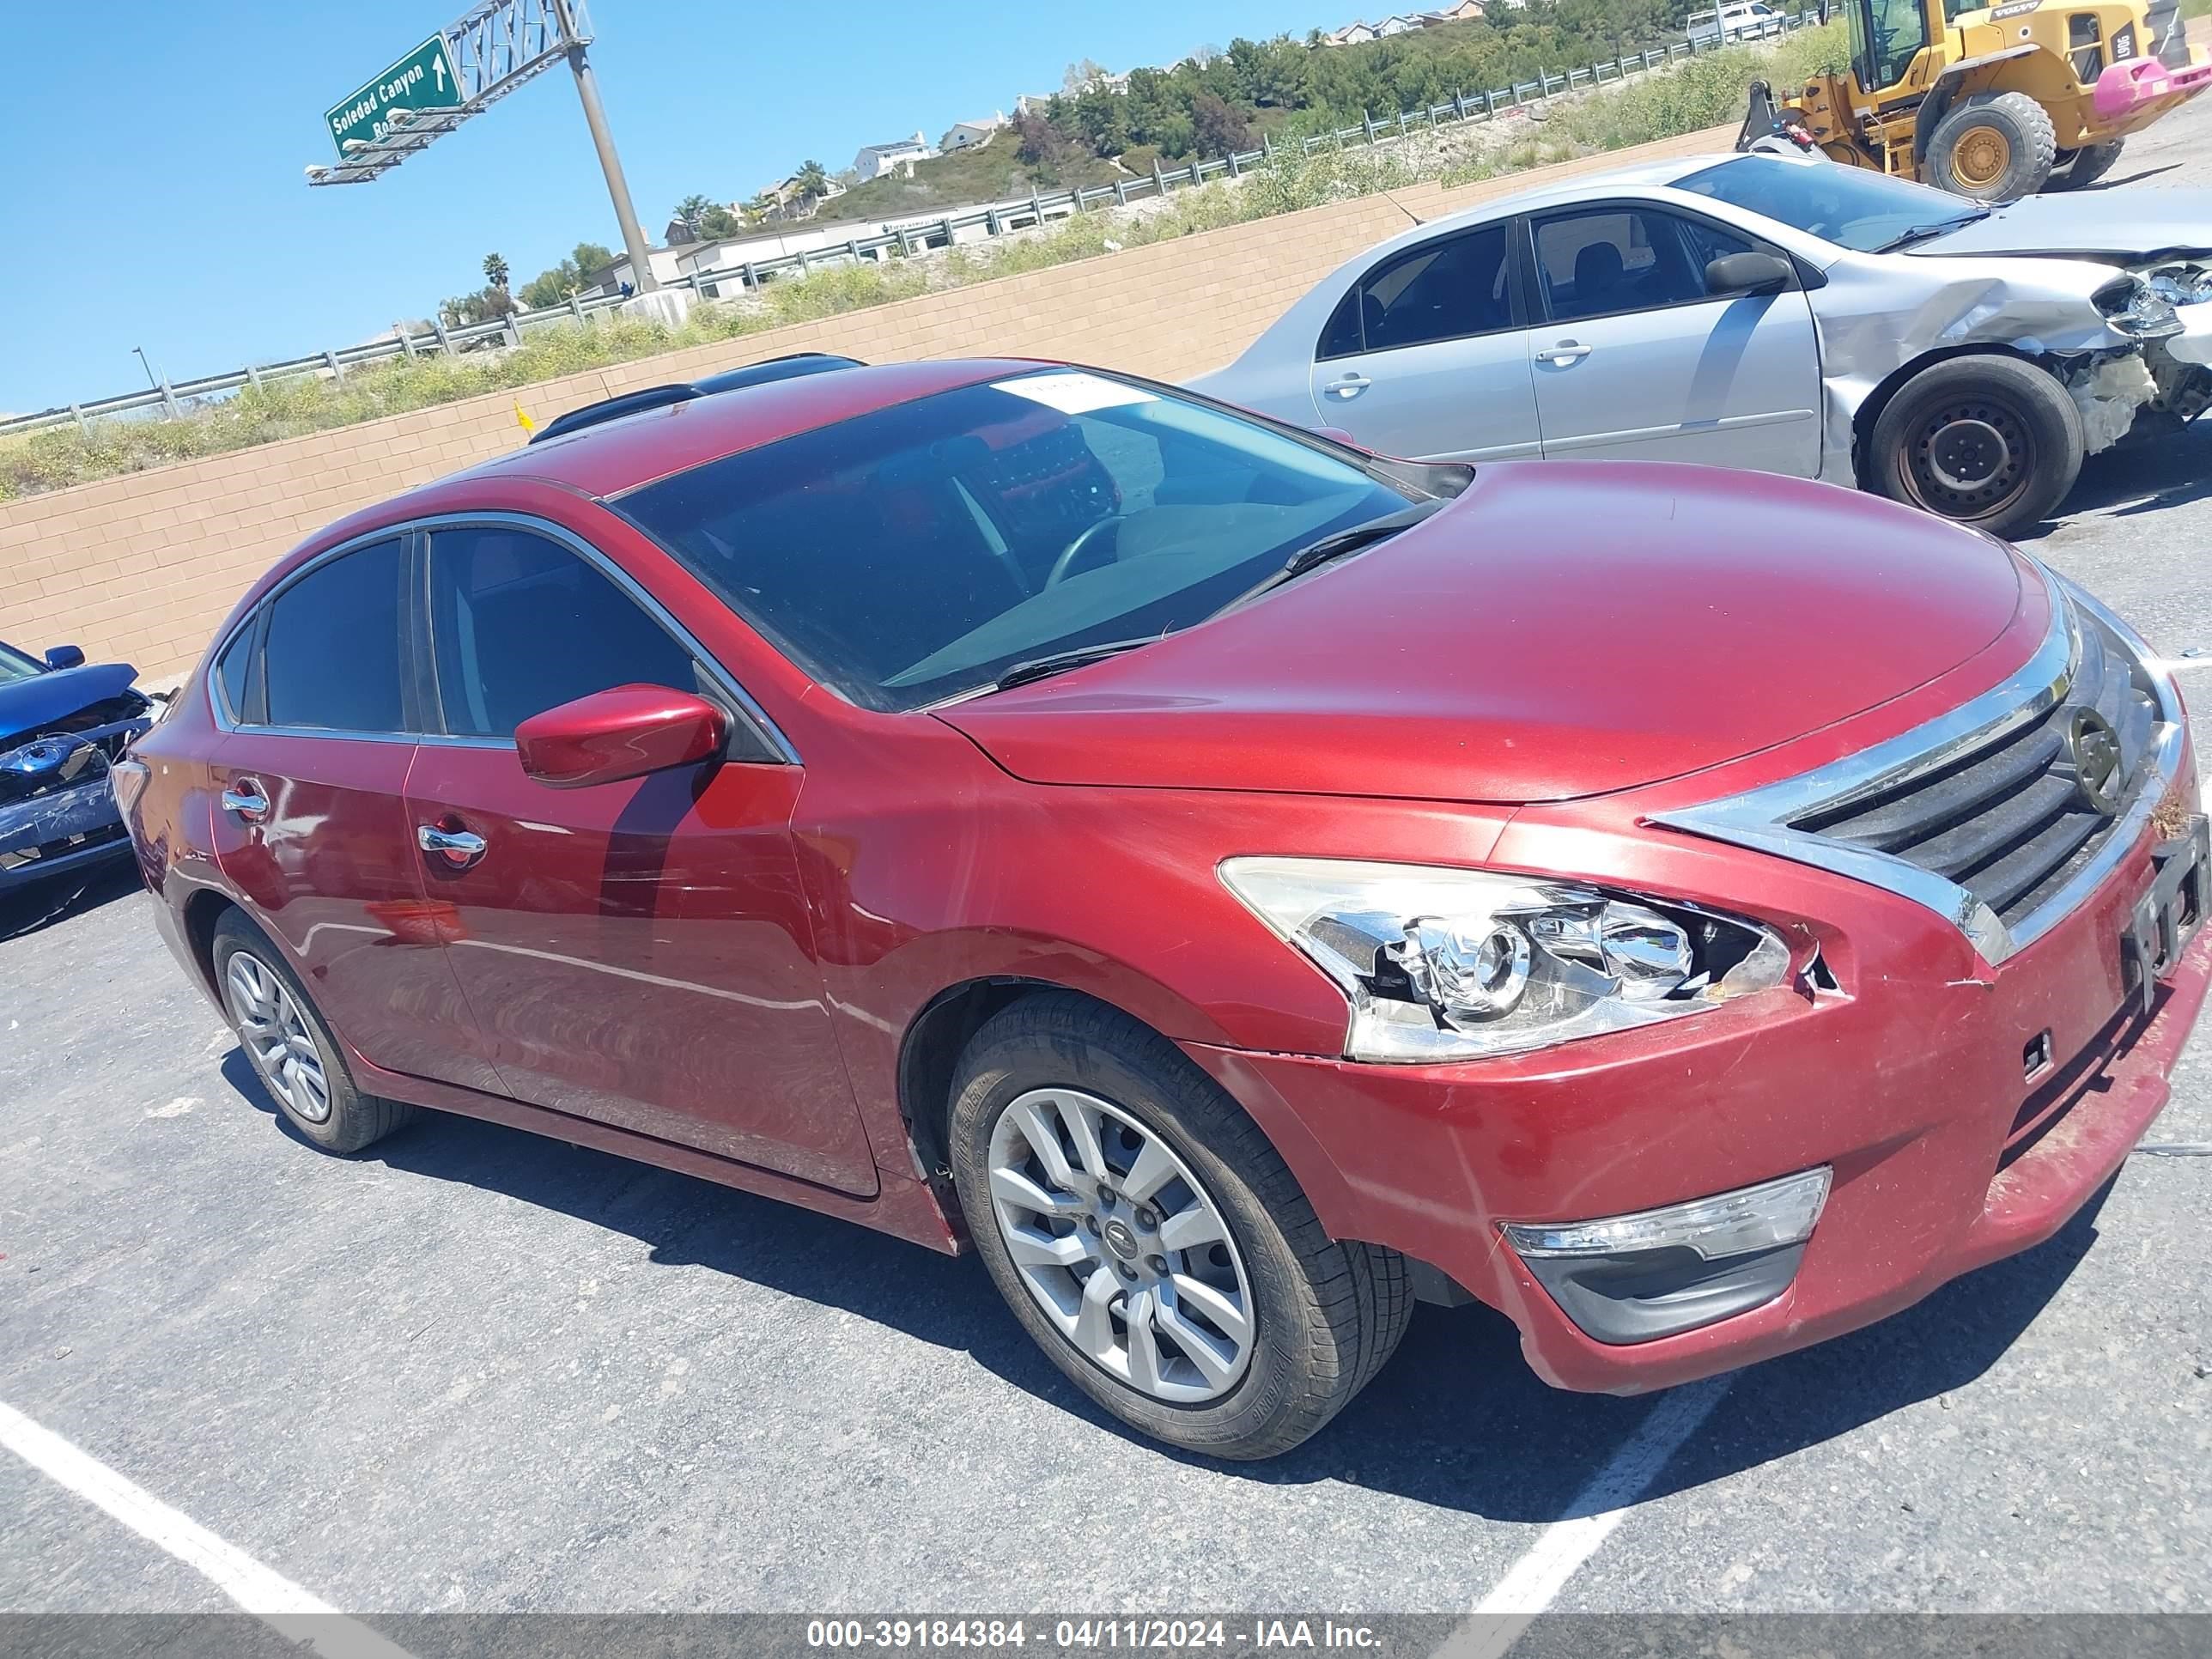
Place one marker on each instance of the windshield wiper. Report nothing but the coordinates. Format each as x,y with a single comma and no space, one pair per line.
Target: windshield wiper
1335,545
1059,662
1905,239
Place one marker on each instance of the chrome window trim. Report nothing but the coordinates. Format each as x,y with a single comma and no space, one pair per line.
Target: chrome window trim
1758,817
771,734
218,703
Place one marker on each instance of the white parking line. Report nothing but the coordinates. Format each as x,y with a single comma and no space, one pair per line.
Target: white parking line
269,1596
1536,1579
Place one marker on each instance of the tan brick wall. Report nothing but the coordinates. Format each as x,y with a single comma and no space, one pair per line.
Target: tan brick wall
141,568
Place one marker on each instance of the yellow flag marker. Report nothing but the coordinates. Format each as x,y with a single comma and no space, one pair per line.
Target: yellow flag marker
523,420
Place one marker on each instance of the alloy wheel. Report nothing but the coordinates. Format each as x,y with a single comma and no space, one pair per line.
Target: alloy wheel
1117,1241
277,1036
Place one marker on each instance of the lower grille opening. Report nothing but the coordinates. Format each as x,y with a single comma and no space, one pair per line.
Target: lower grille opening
24,858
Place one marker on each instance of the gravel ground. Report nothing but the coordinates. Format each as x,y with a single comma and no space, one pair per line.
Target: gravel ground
478,1371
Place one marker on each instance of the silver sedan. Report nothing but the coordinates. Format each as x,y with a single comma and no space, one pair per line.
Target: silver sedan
1785,315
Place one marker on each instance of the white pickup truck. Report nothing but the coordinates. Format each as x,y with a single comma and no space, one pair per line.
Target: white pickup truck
1749,20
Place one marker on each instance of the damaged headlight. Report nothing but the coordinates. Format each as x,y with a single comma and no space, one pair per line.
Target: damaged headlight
2132,308
58,761
2182,284
1450,964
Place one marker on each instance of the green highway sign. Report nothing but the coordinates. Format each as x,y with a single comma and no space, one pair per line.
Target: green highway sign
422,80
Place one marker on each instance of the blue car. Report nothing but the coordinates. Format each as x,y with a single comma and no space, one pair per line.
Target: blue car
62,722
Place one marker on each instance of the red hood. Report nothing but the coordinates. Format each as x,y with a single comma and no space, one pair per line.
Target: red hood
1562,630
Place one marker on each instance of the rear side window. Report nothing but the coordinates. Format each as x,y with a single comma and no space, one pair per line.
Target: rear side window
332,659
519,624
1448,289
238,671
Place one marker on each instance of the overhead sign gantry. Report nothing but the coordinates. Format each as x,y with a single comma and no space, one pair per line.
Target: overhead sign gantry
461,71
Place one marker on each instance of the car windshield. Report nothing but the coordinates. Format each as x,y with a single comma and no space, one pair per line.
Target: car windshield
917,552
16,665
1852,207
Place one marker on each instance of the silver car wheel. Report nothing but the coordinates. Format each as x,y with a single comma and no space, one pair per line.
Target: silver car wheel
277,1036
1120,1245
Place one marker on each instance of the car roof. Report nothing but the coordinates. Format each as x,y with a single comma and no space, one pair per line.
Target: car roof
608,458
787,368
1589,187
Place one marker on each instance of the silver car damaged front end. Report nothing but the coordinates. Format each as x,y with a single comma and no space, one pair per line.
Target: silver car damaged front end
2129,337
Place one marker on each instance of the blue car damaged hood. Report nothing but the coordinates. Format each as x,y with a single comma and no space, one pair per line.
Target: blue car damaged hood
29,707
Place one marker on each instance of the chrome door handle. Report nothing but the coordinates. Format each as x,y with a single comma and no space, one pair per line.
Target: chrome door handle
457,847
243,796
1347,388
1567,351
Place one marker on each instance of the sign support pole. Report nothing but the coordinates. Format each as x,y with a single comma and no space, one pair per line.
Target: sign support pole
595,117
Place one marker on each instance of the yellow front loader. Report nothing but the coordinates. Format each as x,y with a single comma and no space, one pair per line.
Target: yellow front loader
1995,101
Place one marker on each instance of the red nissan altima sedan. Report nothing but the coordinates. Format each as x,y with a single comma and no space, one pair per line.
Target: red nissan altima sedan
1235,884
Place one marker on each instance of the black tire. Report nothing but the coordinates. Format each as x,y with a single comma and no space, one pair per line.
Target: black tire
1986,440
353,1120
1326,1315
2091,162
1992,147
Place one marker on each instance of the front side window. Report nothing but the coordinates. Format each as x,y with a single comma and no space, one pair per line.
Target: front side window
1448,289
1886,35
1706,241
15,666
916,552
330,658
1613,259
519,624
1852,207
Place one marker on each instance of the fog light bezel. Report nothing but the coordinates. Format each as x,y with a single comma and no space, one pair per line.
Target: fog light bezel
1676,1267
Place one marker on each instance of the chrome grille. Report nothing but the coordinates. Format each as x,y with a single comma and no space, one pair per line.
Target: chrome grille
2007,820
1976,815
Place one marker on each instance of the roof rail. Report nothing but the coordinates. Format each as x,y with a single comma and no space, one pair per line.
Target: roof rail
660,396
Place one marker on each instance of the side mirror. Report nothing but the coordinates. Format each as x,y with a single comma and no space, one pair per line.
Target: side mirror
1337,435
65,656
624,733
1747,273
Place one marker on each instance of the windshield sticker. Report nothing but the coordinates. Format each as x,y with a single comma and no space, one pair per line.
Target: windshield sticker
1074,393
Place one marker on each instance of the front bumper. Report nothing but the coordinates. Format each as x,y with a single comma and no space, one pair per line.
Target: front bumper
2194,343
1947,1155
62,830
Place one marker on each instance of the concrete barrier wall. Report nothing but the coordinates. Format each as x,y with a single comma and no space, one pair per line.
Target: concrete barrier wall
141,568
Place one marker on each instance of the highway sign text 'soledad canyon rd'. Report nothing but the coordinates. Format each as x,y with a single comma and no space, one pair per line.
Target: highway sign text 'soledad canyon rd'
422,80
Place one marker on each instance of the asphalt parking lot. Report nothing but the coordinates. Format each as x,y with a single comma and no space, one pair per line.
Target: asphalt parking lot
479,1370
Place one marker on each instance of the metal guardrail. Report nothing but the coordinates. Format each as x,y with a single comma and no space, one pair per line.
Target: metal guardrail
168,399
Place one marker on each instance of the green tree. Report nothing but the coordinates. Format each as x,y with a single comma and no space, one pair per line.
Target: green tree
1097,119
691,212
572,275
495,270
486,305
814,180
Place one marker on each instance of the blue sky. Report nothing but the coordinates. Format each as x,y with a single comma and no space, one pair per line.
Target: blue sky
158,164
